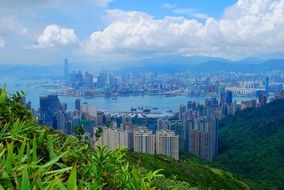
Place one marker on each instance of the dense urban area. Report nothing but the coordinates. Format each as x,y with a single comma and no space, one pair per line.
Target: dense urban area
193,129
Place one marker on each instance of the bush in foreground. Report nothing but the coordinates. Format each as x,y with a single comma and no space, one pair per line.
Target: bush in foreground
36,157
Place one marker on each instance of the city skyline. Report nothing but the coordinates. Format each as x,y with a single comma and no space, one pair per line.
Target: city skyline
143,94
104,32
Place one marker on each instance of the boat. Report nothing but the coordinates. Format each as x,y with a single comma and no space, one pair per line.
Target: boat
146,110
154,108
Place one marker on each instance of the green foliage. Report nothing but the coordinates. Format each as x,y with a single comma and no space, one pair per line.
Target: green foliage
79,131
252,144
12,108
99,132
188,174
36,157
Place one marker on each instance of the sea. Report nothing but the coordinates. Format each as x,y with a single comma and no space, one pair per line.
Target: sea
35,88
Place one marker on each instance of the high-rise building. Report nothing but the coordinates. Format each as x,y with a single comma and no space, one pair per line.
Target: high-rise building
229,97
181,129
267,86
262,99
60,121
222,98
213,102
88,80
191,105
79,79
64,106
49,105
203,137
167,143
66,71
78,104
144,141
114,138
182,112
163,124
89,111
102,80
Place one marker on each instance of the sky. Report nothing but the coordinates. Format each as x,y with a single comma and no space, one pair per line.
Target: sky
44,32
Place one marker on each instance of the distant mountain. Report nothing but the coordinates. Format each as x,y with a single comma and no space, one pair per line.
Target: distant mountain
252,144
32,71
162,64
169,64
172,64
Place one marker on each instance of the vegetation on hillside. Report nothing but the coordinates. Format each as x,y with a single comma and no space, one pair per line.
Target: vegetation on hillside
252,144
36,157
187,174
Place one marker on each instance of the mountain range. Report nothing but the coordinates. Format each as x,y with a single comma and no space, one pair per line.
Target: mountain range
162,64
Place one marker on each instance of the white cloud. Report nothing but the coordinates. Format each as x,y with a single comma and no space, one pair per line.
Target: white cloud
54,36
200,15
190,12
183,11
168,6
248,27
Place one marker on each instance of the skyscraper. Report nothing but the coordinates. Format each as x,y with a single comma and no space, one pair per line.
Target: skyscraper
89,111
78,104
267,86
102,80
203,138
88,80
191,105
64,107
182,112
66,71
229,97
167,143
49,105
144,141
60,122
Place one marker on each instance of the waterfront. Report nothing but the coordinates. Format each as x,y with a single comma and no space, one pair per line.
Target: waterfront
36,88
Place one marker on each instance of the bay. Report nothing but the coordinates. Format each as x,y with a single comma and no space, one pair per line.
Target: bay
36,88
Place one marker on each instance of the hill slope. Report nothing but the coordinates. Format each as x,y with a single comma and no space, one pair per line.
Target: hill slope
200,176
252,144
36,157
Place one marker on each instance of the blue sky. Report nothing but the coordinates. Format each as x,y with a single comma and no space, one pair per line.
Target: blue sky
155,7
46,31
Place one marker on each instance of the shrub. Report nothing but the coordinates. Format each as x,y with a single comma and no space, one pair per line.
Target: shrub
37,157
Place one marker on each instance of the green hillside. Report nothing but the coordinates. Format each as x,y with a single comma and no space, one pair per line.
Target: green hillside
252,144
36,157
193,172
